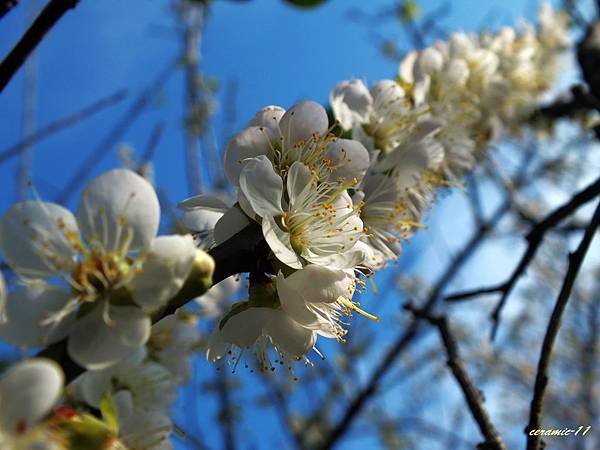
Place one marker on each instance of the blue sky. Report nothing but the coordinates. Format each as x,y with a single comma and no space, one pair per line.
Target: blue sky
277,55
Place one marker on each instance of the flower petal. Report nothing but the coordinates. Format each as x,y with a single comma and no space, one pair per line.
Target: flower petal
168,265
300,122
279,242
95,345
299,178
28,391
26,307
248,143
231,223
201,212
37,239
262,186
294,305
117,206
268,117
289,336
320,284
351,103
244,328
349,160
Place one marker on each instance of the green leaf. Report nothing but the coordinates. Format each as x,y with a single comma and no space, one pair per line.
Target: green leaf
109,412
305,3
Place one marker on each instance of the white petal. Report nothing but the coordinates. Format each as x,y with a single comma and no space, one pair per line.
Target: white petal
387,93
349,159
34,237
216,346
351,103
289,336
320,284
430,61
116,206
457,72
294,305
244,328
279,242
28,391
95,345
200,220
203,201
248,143
166,268
268,117
461,45
262,186
95,383
407,65
299,178
147,431
300,122
232,222
26,307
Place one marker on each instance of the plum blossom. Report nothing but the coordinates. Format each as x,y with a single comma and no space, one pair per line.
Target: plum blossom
94,277
318,298
255,330
317,223
28,392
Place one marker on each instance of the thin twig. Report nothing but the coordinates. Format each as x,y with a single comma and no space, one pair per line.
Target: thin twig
473,397
534,239
61,124
49,16
6,6
541,379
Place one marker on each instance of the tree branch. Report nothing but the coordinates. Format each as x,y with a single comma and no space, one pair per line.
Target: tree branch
534,239
49,16
541,379
62,123
473,397
6,6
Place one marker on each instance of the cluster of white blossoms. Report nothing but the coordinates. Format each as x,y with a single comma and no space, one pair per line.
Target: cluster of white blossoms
336,205
94,277
143,387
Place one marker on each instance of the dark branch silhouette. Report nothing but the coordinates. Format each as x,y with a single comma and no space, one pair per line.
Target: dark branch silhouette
6,6
49,16
534,239
541,379
473,397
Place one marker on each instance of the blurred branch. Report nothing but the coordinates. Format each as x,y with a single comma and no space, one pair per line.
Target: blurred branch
541,380
62,123
153,141
226,413
192,17
534,239
49,16
6,6
472,395
115,134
